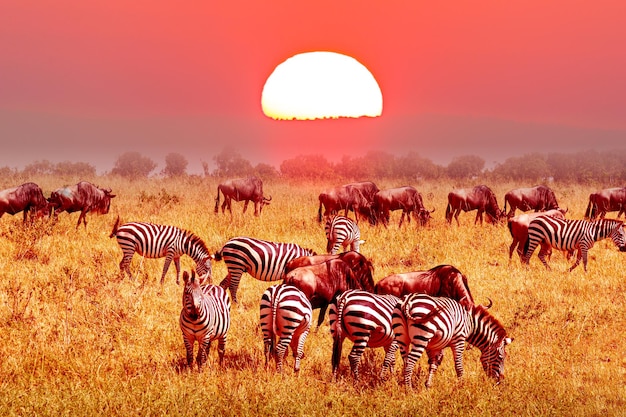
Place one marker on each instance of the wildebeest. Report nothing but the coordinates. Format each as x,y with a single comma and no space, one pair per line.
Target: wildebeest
83,197
242,189
27,198
518,227
359,264
479,198
322,282
439,281
603,201
407,199
356,197
539,198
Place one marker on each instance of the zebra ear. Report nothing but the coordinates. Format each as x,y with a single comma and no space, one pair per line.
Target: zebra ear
508,340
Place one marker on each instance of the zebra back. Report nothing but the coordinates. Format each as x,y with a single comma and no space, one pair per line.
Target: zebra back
341,231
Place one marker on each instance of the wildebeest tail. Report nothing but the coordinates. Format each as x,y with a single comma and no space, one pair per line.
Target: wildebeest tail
589,211
449,212
319,212
114,231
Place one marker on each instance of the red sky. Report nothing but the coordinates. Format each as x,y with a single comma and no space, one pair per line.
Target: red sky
89,80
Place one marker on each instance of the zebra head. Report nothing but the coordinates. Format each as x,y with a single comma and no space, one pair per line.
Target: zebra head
493,357
205,270
192,295
619,237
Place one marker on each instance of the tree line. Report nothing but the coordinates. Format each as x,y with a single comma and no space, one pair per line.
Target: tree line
607,167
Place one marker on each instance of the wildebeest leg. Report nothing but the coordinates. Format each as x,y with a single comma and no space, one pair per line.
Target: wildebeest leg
515,244
168,259
336,358
320,319
245,205
479,215
402,218
456,216
83,217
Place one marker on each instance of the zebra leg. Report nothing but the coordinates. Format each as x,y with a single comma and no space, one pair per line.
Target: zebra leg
125,263
189,342
542,258
390,359
355,356
234,284
221,349
457,353
409,364
168,259
434,360
177,265
297,347
582,254
203,352
281,350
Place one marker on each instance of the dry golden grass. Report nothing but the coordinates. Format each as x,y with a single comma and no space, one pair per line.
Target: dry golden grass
79,339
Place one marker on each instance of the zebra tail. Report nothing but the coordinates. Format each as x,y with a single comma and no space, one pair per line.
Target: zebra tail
218,255
114,231
339,322
274,314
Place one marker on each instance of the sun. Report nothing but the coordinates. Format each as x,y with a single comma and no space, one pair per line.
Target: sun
321,85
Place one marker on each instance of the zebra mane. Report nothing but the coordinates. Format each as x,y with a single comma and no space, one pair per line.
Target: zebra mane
482,315
196,240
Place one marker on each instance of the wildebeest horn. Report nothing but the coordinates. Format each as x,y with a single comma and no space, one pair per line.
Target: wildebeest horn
487,307
433,210
267,199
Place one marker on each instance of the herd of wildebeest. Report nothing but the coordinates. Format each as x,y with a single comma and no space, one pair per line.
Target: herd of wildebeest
414,311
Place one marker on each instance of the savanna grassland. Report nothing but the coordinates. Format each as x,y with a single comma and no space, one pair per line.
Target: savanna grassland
78,338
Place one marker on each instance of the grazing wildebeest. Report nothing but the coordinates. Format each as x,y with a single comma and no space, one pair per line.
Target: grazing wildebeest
539,198
603,201
355,197
359,264
440,281
518,226
322,282
407,199
242,189
479,198
83,197
27,198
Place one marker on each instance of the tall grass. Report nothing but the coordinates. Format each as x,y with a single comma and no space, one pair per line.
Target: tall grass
79,338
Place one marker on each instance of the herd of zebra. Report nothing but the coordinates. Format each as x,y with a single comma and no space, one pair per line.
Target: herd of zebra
415,321
369,316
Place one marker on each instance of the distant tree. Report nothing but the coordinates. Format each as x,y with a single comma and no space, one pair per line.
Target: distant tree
133,165
230,164
44,167
307,167
413,165
77,169
380,164
266,171
466,166
175,165
531,167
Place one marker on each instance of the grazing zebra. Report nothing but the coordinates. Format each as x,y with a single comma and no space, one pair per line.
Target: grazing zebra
342,231
158,241
365,319
205,316
421,322
286,313
262,259
572,235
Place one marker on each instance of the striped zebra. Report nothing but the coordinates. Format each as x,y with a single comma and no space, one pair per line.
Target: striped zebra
421,322
262,259
342,231
205,316
286,313
157,241
365,319
572,235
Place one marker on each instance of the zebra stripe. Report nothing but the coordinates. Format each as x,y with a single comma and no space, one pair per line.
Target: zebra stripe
365,319
342,231
422,322
205,316
570,235
285,313
157,241
262,259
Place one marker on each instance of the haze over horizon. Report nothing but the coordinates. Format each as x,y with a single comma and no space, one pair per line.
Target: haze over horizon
86,82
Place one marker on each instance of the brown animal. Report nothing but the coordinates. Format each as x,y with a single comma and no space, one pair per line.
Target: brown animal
407,199
242,189
539,198
518,227
347,198
440,281
27,198
83,197
359,264
322,282
479,198
603,201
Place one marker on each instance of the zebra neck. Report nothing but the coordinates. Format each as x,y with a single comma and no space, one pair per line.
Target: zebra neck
484,329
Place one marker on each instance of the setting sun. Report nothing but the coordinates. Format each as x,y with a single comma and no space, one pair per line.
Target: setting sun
319,85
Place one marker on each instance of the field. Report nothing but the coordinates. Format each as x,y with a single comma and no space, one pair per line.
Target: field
78,338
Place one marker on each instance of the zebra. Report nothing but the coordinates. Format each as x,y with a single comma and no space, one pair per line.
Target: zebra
342,231
205,316
572,235
262,259
157,241
365,319
285,313
421,322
